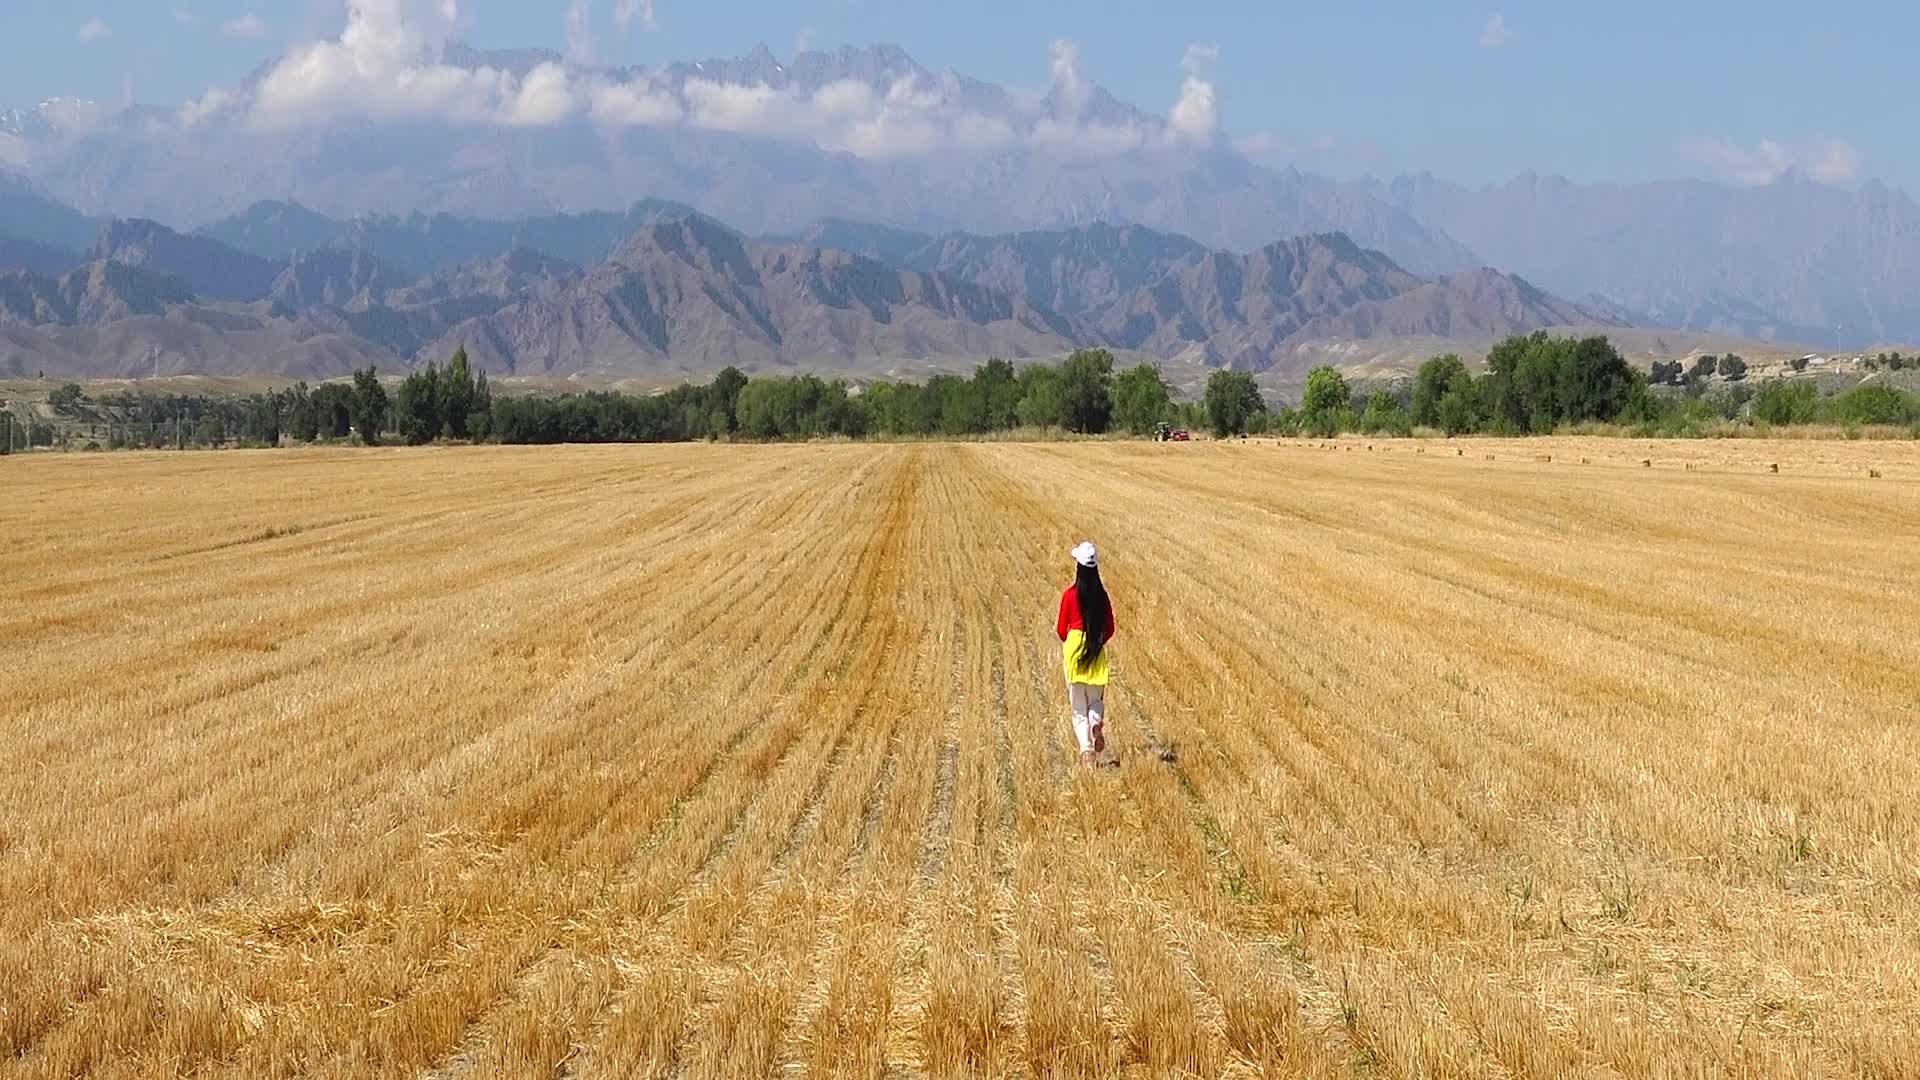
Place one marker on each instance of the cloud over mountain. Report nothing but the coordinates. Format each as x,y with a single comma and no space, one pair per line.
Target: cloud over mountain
1828,160
391,63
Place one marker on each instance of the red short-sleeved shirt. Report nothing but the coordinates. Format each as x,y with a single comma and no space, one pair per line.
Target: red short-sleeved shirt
1070,615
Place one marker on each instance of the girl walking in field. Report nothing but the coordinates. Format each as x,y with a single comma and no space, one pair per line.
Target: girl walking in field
1085,626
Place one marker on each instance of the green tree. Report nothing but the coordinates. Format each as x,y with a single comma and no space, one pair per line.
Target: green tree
1732,368
724,398
303,422
263,421
454,399
1233,402
999,390
957,408
1435,379
1782,403
66,398
1385,416
1325,404
1141,398
417,408
480,419
1593,381
333,406
369,408
1874,403
1086,388
1670,373
1043,400
893,408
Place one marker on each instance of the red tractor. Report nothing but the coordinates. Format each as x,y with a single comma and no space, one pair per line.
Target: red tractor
1169,433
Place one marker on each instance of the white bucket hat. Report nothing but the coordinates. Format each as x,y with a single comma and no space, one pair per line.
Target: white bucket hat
1086,555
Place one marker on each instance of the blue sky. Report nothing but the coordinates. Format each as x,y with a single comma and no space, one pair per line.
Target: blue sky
1628,90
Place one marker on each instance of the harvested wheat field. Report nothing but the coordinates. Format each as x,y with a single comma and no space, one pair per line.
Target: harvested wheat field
749,761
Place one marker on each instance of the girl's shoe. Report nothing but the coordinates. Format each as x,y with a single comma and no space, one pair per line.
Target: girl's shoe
1086,759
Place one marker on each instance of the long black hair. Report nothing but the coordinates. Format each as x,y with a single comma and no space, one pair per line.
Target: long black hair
1096,612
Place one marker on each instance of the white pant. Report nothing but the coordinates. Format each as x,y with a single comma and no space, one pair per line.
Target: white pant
1089,705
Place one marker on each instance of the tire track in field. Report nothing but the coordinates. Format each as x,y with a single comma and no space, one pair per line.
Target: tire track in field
742,1026
817,685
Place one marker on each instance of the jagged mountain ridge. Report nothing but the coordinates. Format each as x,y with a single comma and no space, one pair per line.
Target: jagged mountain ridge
692,295
689,294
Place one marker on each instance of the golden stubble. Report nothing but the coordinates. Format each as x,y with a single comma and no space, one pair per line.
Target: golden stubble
727,761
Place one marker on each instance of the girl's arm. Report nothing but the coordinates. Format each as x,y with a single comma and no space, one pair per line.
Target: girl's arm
1060,624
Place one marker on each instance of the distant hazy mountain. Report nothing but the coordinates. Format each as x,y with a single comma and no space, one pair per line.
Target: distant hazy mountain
28,215
1794,259
332,278
91,295
210,268
17,254
421,244
1073,271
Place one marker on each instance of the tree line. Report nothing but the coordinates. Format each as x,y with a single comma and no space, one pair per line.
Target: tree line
1532,384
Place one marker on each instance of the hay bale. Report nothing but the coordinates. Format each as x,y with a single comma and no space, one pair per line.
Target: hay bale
1775,467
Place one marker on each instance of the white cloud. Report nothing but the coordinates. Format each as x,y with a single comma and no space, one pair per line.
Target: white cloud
1834,161
214,102
580,32
94,29
1070,92
1495,33
1064,126
1827,160
546,97
182,16
1195,118
385,64
803,41
634,103
249,26
626,12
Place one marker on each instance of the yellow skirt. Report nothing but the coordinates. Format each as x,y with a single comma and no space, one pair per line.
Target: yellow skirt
1094,674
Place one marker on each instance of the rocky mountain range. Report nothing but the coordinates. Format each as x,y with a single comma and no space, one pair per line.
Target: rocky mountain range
755,142
673,292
